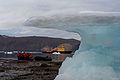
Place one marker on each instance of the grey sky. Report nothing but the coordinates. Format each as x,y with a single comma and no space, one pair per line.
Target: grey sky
16,11
13,13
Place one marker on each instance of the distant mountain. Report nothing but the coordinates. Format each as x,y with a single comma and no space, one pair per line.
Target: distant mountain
34,43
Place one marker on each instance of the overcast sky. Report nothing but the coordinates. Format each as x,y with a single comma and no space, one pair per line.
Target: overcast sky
13,13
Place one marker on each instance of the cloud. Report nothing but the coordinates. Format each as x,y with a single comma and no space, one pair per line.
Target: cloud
13,13
17,11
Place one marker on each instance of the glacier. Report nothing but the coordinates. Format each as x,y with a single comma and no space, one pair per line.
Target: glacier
98,57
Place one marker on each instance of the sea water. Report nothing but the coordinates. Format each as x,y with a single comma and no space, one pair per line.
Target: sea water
98,57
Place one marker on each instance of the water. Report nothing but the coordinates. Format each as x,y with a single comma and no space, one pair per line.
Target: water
98,57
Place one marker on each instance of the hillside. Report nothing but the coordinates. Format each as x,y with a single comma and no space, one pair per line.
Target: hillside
34,43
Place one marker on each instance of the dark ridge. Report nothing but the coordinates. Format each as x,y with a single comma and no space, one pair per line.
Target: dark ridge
34,43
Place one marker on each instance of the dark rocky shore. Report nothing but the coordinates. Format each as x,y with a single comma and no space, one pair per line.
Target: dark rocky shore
28,70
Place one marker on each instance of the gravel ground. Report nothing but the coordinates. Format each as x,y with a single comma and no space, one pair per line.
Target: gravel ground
28,70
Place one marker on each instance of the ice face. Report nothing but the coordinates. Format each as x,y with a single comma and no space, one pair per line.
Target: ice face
98,57
88,65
